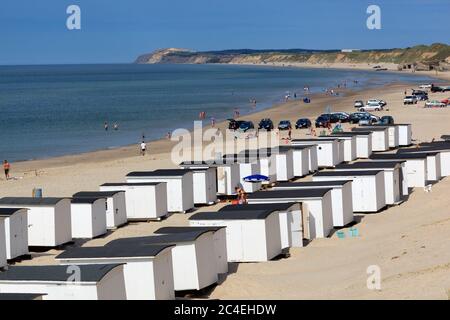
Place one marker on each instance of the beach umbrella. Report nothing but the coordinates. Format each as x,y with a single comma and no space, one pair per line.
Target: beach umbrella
256,178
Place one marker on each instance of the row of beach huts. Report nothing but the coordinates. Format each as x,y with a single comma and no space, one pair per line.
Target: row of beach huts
361,171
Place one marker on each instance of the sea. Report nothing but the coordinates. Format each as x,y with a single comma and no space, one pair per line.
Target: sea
55,110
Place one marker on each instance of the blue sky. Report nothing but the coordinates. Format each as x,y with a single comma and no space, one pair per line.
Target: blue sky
34,32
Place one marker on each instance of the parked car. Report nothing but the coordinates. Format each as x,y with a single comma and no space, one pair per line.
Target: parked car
341,116
435,104
323,121
440,89
372,106
284,125
246,125
425,86
355,117
266,124
234,124
303,123
418,92
446,101
386,120
359,104
410,100
381,102
366,120
422,96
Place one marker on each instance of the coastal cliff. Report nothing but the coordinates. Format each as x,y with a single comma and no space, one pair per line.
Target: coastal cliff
436,56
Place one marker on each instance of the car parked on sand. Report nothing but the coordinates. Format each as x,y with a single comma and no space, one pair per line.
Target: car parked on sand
435,104
341,116
323,121
410,100
284,125
355,117
386,120
234,124
303,123
372,106
425,86
381,102
366,120
266,124
446,101
359,103
246,126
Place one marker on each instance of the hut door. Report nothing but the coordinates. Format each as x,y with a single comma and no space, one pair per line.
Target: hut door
305,221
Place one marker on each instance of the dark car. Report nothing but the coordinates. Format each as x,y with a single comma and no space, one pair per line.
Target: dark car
422,96
234,124
284,125
303,123
355,117
323,121
341,116
266,124
333,117
386,120
246,125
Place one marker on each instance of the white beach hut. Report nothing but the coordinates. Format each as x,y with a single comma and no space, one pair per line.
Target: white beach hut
380,137
3,259
247,167
228,178
444,156
144,201
405,134
363,142
327,150
147,270
49,219
88,217
55,282
267,162
368,190
416,166
219,237
194,261
393,133
318,201
304,159
16,231
116,210
179,182
205,182
341,197
291,220
285,164
394,177
347,150
252,236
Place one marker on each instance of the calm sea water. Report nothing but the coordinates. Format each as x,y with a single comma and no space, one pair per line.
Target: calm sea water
56,110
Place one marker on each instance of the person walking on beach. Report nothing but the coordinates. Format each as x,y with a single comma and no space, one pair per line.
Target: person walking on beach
213,122
6,167
290,134
143,148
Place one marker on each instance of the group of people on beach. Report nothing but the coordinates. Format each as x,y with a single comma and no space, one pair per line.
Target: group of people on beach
106,126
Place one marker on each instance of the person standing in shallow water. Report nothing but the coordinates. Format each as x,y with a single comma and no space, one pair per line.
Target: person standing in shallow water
6,167
105,125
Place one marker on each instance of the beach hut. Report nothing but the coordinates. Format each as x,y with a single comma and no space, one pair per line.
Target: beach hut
228,178
194,261
416,166
291,221
267,162
341,197
303,159
444,155
347,150
368,190
144,201
284,159
318,201
247,167
3,259
380,137
49,219
205,182
76,282
219,238
147,270
393,133
16,231
363,142
252,236
327,150
405,134
88,217
179,182
116,210
394,172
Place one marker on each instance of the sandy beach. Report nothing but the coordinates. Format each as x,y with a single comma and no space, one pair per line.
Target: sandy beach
410,242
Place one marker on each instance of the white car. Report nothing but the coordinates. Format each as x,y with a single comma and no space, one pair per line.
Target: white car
381,102
410,100
372,106
435,104
425,86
